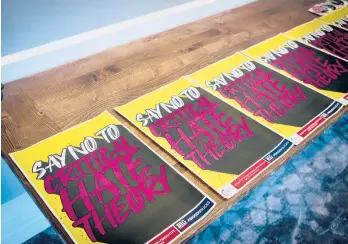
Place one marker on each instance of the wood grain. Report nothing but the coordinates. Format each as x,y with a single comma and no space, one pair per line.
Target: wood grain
42,105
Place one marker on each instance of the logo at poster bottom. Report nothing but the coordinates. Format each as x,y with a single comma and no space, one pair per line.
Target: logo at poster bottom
237,184
185,222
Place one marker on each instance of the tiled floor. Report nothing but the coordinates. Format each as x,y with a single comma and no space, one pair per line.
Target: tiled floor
305,201
47,236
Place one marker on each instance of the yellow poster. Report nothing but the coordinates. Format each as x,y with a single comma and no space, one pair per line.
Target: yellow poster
221,145
326,37
104,185
323,72
338,17
274,100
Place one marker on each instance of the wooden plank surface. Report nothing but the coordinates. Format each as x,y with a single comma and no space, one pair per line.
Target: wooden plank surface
42,105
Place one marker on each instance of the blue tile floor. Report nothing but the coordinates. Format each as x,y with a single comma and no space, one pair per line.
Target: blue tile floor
305,201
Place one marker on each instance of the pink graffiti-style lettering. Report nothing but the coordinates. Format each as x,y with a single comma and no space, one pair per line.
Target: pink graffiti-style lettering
335,42
200,133
262,95
304,65
143,187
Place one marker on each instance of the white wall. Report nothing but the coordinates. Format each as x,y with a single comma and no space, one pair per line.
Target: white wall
52,54
31,23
